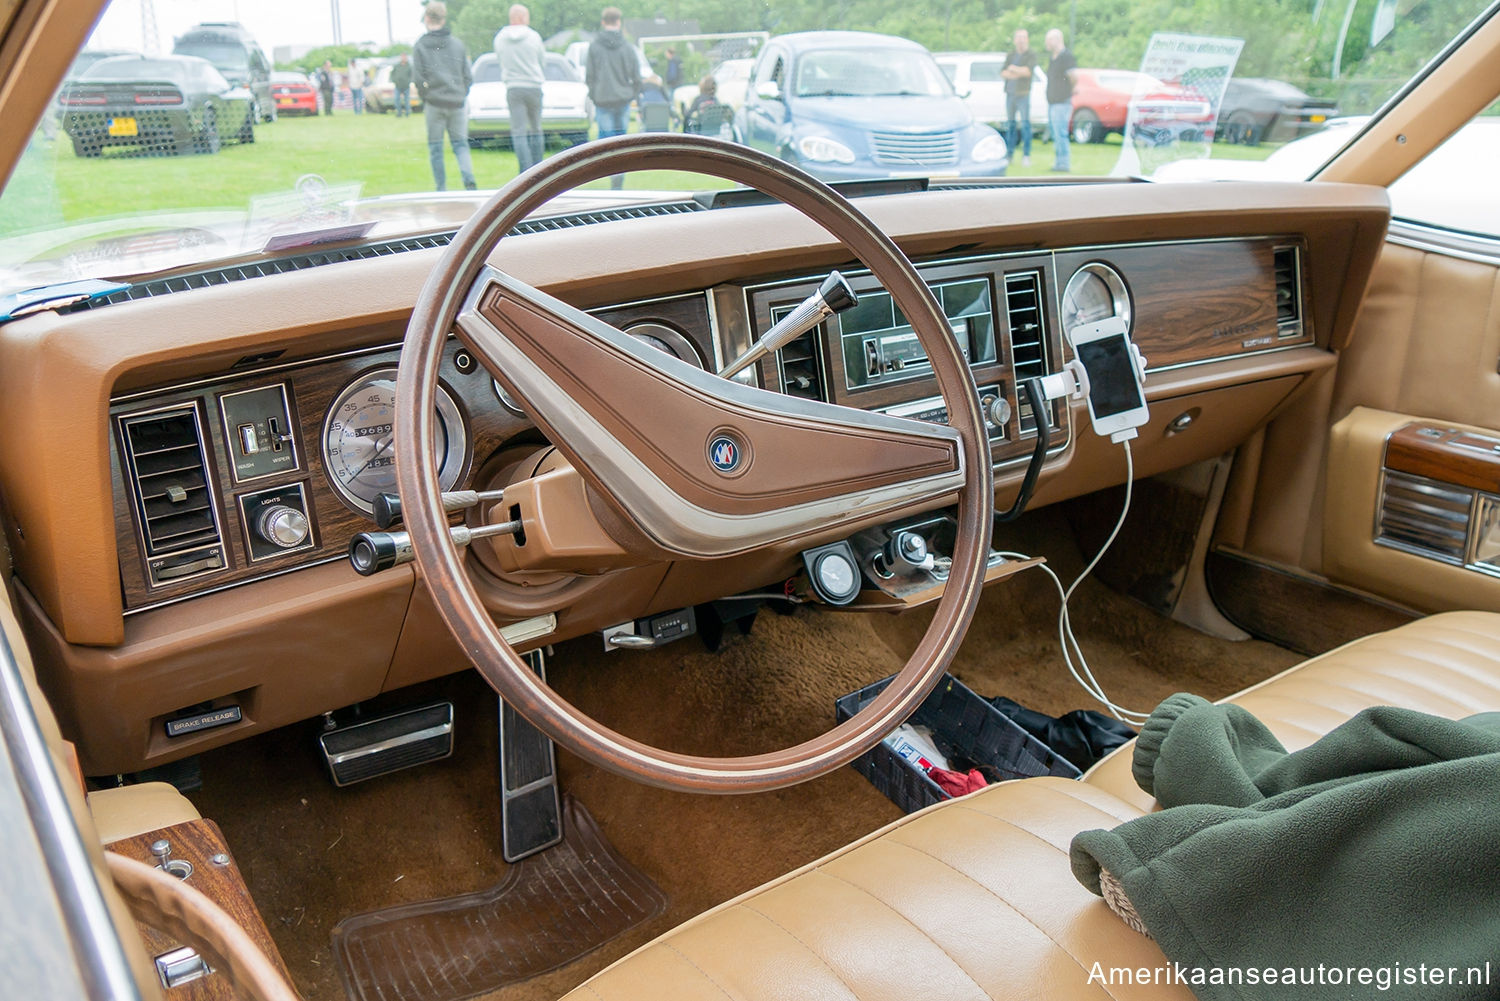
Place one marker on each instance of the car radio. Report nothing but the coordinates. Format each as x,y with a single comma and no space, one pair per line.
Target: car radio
880,347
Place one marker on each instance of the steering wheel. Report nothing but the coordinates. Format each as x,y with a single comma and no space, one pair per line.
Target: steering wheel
647,433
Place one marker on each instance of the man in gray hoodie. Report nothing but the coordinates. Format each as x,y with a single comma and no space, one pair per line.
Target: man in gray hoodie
613,72
440,70
520,51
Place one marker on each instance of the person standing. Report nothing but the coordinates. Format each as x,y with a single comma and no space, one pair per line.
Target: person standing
1062,71
401,81
326,83
612,71
440,71
357,87
520,51
1020,63
673,78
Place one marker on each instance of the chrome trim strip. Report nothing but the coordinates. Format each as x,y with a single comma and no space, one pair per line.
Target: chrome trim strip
390,743
669,519
102,962
1434,240
228,585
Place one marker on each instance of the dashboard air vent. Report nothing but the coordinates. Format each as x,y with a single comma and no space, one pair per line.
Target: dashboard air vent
1424,516
1288,292
1026,324
799,368
166,470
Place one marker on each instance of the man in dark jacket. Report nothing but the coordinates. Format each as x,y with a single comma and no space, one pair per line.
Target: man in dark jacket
440,70
401,80
326,83
613,73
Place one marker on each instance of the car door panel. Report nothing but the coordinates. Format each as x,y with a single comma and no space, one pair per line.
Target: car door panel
1426,347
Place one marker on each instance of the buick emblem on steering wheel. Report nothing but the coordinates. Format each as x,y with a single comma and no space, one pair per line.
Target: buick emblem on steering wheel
725,454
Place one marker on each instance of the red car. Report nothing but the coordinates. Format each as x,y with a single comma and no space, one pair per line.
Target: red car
1101,105
294,94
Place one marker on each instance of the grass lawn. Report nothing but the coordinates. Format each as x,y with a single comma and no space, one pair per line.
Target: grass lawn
385,154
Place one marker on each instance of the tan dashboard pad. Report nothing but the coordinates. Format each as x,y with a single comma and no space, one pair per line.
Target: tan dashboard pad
543,349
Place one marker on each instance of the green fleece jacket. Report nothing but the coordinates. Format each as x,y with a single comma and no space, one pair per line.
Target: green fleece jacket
1364,866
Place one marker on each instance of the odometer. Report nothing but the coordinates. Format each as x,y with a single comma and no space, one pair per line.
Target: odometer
359,439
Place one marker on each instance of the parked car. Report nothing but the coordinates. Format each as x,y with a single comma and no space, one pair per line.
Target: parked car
236,54
381,95
163,104
732,78
294,94
1255,109
566,109
976,77
88,57
1102,99
853,104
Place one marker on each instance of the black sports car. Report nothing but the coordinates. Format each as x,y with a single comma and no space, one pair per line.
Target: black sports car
163,105
1254,110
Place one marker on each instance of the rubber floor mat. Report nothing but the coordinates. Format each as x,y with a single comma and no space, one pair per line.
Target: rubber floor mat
550,909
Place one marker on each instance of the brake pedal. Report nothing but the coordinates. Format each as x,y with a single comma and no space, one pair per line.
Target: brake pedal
530,808
376,747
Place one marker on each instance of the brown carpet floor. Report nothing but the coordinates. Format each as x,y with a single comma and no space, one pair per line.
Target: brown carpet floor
314,854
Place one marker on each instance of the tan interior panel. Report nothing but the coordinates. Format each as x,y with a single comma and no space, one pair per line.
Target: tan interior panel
320,639
1356,460
1427,342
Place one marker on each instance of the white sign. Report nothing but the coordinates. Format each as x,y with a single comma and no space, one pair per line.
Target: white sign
1175,106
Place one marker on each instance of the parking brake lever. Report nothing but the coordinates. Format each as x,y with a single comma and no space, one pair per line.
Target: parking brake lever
833,296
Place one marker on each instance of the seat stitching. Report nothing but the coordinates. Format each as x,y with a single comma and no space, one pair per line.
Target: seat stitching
1014,826
1107,813
1012,907
593,990
668,945
815,954
926,934
960,805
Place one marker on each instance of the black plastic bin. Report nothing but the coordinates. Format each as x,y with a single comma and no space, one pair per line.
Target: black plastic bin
966,721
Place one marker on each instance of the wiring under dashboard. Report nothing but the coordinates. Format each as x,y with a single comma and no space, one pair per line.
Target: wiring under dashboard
1072,650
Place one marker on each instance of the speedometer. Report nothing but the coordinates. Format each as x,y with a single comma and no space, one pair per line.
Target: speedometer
359,439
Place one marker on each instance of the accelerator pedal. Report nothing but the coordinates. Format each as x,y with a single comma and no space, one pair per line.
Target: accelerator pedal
530,807
386,744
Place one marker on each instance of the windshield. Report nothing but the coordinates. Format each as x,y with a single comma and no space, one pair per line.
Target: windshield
227,56
132,179
870,73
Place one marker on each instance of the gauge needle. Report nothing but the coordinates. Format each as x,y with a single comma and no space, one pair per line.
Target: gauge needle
385,443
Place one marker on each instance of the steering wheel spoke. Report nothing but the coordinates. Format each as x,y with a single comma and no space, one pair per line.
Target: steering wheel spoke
704,466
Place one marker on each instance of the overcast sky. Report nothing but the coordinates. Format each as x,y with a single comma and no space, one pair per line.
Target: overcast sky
272,22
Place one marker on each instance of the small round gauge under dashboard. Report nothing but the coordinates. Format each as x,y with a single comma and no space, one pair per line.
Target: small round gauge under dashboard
1095,292
359,439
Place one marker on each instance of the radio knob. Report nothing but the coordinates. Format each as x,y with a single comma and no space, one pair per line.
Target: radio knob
282,525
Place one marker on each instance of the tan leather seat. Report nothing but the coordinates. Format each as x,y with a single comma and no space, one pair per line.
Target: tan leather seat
975,899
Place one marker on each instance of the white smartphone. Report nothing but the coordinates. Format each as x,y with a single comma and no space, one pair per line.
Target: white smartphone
1116,392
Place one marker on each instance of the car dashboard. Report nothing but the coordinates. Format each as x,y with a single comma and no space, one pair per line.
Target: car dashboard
197,464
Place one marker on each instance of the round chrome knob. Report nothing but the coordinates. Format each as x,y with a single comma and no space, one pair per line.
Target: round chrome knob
282,525
996,410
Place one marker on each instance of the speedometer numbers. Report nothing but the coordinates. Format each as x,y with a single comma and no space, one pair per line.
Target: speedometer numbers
359,439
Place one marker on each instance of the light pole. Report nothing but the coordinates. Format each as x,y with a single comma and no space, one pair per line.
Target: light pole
338,30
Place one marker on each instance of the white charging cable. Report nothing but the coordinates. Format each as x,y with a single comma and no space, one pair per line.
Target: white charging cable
1072,651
